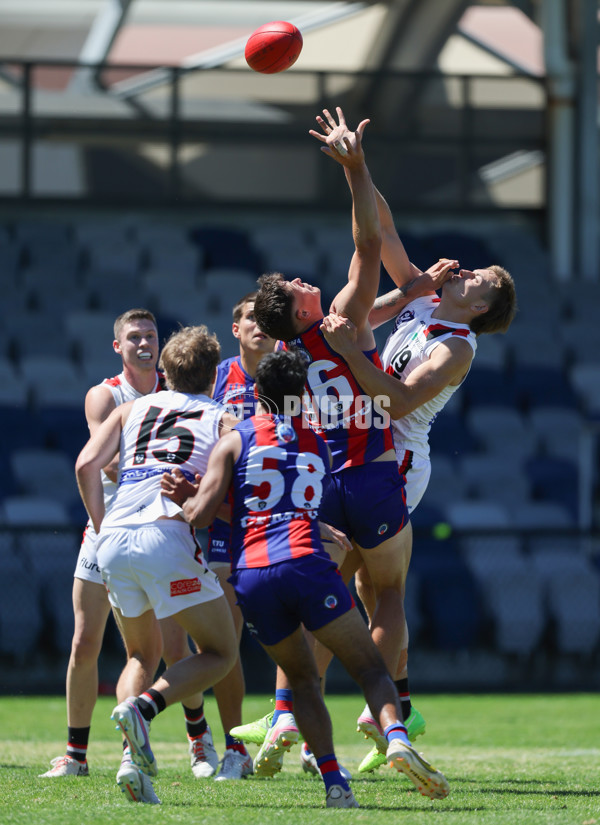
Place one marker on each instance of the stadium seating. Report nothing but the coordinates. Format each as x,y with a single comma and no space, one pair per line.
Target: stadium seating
517,609
287,250
223,287
113,294
558,430
39,333
541,515
489,476
38,471
52,380
492,353
486,386
501,430
90,333
446,483
554,479
189,306
452,436
65,428
19,628
471,514
161,280
543,386
28,510
452,593
585,378
572,587
504,451
514,596
52,557
13,391
226,247
446,589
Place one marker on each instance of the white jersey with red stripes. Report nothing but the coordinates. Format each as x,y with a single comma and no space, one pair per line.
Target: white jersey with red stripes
164,430
122,392
415,335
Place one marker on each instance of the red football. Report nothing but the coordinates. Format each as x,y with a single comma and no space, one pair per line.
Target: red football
273,47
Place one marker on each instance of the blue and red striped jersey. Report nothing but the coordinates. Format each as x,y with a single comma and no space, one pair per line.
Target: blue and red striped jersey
235,388
340,411
276,491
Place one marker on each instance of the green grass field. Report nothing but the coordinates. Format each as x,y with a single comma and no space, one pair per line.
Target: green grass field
509,759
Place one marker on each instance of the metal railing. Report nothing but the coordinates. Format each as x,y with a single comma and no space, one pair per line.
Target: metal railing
214,136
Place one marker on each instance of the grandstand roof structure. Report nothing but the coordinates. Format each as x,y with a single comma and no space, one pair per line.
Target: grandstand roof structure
542,55
454,34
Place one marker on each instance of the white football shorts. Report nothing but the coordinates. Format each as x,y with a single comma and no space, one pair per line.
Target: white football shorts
417,472
87,567
154,567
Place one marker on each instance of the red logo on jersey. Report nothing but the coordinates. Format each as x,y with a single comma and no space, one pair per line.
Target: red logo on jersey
184,586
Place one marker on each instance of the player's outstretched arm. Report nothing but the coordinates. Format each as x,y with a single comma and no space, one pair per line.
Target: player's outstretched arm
393,253
389,305
201,509
356,298
448,363
339,142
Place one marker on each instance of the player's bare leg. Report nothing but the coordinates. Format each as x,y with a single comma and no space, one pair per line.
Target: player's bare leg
230,691
143,645
294,657
91,609
211,627
387,565
204,759
348,638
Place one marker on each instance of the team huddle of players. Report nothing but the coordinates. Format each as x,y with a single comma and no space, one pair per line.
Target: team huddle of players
279,452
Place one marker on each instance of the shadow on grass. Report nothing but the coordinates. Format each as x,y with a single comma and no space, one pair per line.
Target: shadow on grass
523,786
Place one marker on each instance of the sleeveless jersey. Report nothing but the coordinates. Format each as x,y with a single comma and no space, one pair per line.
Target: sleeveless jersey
415,335
164,430
234,388
338,408
276,490
122,392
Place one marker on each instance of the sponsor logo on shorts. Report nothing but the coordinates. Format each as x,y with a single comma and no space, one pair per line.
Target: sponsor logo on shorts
88,565
251,629
182,587
383,528
330,602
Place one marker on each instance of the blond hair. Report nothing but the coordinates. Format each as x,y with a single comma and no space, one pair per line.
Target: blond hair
189,359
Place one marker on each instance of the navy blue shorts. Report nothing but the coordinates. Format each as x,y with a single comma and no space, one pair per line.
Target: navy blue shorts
366,502
219,543
276,600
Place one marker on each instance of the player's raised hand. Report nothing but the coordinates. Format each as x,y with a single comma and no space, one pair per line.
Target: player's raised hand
340,142
340,332
440,272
